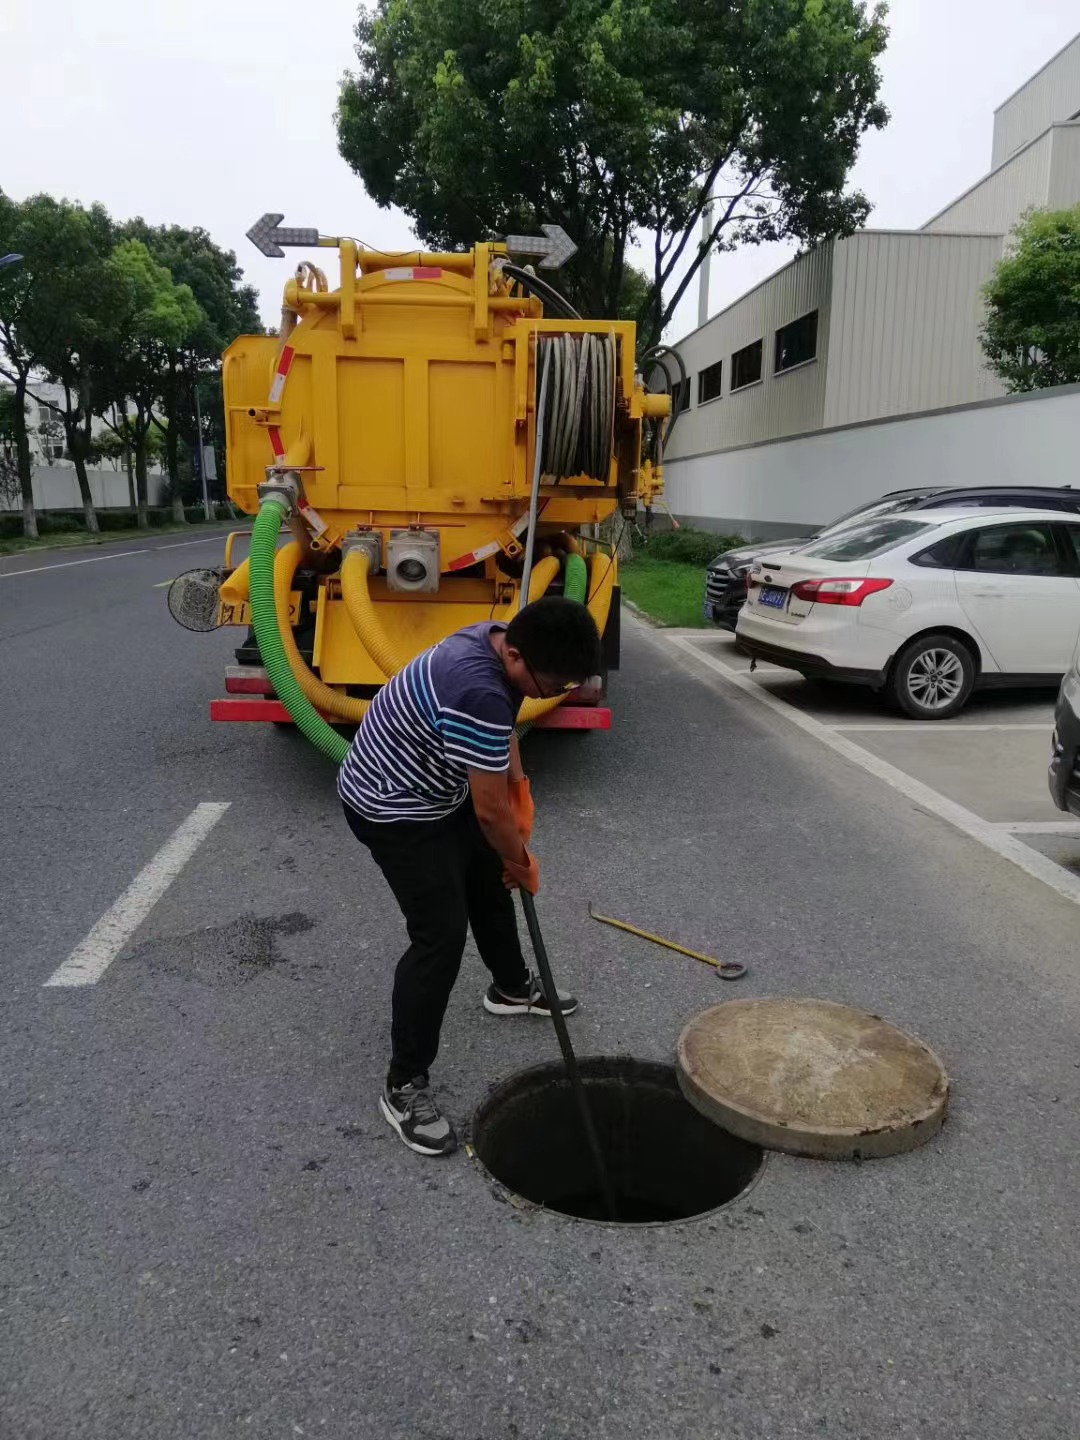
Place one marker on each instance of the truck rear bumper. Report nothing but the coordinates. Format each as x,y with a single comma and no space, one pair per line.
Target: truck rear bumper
251,698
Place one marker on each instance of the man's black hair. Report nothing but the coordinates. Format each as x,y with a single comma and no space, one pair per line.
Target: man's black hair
556,637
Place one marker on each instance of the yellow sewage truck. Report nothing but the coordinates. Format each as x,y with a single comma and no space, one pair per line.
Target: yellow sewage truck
430,434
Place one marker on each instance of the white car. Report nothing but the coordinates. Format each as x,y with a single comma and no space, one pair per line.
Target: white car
924,605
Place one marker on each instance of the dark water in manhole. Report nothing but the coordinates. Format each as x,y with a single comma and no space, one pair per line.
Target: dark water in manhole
667,1162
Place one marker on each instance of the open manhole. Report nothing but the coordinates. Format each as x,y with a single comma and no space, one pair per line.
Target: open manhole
667,1162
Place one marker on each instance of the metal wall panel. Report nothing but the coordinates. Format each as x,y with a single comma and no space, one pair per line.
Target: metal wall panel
1052,94
790,487
906,311
1065,168
785,404
994,205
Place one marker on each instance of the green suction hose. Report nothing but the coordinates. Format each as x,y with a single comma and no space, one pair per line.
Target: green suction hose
575,578
575,587
264,618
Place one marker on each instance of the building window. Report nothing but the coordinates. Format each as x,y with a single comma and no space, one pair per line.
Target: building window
746,366
796,343
708,383
680,397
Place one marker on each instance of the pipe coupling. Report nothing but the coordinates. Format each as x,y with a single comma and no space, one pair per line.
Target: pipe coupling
281,486
367,542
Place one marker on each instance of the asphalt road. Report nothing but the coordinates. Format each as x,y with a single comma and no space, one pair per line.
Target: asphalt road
207,1229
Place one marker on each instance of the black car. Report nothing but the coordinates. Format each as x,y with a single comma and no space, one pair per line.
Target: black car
1064,774
725,579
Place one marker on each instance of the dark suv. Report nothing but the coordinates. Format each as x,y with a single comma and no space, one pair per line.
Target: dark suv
725,579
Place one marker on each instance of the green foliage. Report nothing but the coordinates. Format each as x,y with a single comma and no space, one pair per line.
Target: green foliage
615,119
1031,333
671,593
128,320
9,409
684,546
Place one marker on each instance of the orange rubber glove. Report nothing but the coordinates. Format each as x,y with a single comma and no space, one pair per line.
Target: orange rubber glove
522,877
519,793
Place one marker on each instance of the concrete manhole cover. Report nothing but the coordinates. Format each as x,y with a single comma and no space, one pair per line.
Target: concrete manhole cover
812,1077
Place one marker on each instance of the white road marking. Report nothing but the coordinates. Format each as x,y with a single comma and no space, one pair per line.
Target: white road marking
92,957
66,564
1038,827
916,727
1000,841
206,540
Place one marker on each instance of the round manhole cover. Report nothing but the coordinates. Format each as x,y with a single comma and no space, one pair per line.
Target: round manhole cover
812,1077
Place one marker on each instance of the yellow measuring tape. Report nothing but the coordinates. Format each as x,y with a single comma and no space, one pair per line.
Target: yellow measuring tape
726,969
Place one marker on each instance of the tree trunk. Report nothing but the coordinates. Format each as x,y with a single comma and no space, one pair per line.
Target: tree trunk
172,466
140,477
22,453
84,490
130,476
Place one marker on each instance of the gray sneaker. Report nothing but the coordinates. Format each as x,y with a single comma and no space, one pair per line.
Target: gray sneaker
412,1112
529,1000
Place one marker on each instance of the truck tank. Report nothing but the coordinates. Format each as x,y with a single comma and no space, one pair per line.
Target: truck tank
420,428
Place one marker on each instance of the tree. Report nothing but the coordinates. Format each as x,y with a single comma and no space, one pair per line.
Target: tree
1031,332
617,119
227,308
17,286
155,318
57,322
9,468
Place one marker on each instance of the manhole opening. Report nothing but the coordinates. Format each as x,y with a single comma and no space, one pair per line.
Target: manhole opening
667,1162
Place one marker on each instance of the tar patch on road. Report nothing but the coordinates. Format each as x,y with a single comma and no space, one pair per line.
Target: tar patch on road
222,956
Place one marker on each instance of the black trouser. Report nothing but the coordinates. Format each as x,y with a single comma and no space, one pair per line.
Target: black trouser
446,878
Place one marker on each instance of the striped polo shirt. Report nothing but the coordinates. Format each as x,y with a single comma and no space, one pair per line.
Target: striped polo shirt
452,709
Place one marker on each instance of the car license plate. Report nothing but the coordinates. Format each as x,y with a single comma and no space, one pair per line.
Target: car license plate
773,596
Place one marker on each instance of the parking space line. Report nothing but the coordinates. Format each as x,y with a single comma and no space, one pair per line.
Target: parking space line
92,957
945,728
985,832
1037,827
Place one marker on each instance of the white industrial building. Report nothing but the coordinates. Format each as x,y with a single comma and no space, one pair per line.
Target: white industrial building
863,330
55,483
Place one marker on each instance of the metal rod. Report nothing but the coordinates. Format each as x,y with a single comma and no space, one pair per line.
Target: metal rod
570,1059
534,499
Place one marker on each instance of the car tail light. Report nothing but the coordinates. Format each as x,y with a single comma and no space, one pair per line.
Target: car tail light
837,592
751,581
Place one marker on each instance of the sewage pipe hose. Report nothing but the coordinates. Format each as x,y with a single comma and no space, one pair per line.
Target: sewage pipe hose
271,582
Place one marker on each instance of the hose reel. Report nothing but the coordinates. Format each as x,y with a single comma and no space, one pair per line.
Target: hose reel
576,413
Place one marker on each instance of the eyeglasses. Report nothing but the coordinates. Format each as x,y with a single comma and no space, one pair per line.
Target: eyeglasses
563,689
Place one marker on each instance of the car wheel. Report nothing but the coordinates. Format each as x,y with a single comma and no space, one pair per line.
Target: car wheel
932,677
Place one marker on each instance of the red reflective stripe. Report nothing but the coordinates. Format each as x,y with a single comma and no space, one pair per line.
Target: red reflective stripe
247,680
463,561
575,717
285,363
275,441
426,272
254,710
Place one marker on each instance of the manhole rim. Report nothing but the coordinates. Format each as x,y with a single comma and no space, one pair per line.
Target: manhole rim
523,1203
838,1142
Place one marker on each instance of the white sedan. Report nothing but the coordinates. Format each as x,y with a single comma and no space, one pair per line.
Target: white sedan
924,606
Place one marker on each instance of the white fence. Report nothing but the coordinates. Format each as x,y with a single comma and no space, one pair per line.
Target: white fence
791,485
57,488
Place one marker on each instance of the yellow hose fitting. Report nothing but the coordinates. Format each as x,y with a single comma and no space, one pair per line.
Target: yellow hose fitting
342,707
361,611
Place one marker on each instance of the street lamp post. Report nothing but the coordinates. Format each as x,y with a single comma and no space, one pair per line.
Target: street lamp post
202,452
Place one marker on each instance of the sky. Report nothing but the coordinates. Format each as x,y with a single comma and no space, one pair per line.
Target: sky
210,112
